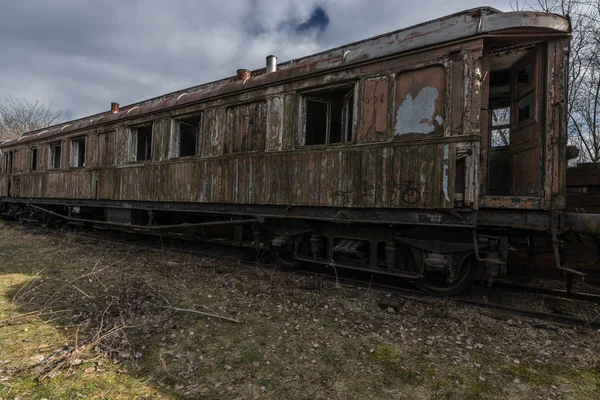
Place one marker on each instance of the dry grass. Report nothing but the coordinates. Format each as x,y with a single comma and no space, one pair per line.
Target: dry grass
292,342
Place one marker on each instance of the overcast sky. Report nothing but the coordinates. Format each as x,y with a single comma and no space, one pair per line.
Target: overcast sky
82,54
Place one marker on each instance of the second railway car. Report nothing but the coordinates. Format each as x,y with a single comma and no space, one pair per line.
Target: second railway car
422,153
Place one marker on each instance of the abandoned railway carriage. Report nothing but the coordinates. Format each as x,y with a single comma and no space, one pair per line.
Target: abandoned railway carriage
421,153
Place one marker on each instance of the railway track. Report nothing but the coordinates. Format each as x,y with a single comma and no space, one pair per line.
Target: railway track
246,255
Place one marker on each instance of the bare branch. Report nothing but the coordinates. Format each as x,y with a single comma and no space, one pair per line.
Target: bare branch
19,116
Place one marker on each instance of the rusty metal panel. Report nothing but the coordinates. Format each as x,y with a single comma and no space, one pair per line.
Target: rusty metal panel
375,102
420,96
247,127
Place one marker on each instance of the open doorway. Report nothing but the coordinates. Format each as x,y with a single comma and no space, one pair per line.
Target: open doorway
515,127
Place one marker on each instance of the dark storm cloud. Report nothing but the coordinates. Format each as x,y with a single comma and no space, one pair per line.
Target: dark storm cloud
318,20
81,55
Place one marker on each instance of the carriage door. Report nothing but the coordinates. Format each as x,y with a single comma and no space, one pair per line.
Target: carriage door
525,145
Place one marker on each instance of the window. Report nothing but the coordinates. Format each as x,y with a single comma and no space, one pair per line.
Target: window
78,152
185,136
55,155
500,127
525,107
525,93
9,162
34,153
329,116
141,140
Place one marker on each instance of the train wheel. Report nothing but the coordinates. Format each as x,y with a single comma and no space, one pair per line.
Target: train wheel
439,287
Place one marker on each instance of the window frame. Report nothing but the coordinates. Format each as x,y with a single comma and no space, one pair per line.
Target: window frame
133,142
73,141
506,125
52,154
9,162
175,137
531,89
348,128
37,158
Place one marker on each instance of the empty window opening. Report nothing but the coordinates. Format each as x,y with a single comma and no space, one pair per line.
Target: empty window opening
329,116
78,152
55,155
188,136
514,137
143,143
34,153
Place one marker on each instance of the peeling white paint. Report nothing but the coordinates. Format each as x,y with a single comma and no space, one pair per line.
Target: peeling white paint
445,174
418,115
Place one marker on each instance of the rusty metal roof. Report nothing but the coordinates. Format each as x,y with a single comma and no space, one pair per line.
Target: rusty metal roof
462,25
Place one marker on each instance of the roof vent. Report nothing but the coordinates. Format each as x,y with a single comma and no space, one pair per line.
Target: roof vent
114,108
243,74
271,64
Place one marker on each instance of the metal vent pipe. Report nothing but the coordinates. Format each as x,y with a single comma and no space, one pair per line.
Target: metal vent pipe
271,64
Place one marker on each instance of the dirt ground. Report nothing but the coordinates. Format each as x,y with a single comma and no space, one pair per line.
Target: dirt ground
83,319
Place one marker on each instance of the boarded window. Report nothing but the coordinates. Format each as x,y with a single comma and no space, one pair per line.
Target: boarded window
375,102
34,156
55,155
141,143
106,148
247,125
186,136
329,116
77,156
420,96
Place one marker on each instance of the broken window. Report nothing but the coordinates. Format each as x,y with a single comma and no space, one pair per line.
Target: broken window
141,139
185,136
78,152
329,116
500,135
525,107
34,153
55,155
524,95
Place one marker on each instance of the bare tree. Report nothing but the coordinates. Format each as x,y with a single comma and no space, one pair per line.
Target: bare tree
19,116
584,70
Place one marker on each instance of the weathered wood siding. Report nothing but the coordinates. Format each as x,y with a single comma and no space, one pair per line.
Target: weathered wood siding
252,150
413,176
